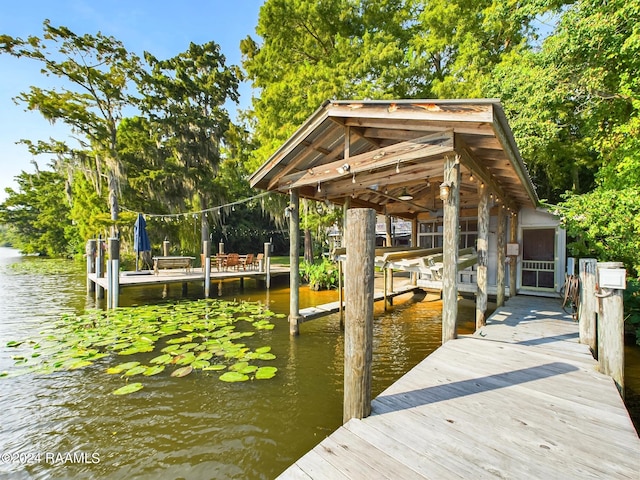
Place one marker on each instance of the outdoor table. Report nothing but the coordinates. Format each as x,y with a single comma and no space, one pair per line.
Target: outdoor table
172,262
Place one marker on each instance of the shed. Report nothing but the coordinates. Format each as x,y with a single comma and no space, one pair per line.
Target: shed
451,167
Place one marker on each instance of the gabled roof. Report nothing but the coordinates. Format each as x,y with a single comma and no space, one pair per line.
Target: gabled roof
396,146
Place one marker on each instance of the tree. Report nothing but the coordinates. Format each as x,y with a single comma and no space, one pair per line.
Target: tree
38,212
96,70
184,97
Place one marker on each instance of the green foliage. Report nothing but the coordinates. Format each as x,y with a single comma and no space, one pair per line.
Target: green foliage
604,224
320,275
632,306
38,215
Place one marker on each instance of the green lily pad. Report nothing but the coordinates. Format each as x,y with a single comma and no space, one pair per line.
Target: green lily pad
162,359
248,369
122,367
266,356
233,377
182,372
79,364
14,343
132,387
200,364
136,370
264,373
263,350
215,367
153,370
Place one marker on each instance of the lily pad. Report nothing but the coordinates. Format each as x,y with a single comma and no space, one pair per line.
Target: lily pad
215,367
266,356
130,388
200,364
182,372
153,370
122,367
264,373
162,359
136,370
233,377
263,350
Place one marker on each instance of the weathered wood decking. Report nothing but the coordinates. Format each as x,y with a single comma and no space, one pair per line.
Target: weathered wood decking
521,398
128,279
311,313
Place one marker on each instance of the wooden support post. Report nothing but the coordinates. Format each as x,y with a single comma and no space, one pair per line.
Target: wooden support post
384,288
611,325
109,290
587,306
414,243
294,263
483,255
114,262
502,255
90,251
166,246
100,267
206,250
358,336
267,264
451,223
513,262
340,294
221,248
388,274
185,289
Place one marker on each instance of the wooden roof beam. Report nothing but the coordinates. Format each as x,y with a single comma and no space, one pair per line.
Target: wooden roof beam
424,147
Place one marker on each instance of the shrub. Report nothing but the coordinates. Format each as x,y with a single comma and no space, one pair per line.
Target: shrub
319,276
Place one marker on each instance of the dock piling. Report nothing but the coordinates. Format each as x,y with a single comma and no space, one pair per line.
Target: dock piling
90,251
206,250
611,281
114,263
359,290
587,306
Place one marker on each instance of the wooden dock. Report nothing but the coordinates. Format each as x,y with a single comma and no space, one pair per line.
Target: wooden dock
519,399
129,279
311,313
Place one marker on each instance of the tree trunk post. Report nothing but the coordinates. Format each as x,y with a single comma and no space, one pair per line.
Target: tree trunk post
206,250
114,261
451,222
587,307
90,250
294,263
100,267
267,264
513,264
483,256
414,243
611,324
340,294
358,337
502,255
388,274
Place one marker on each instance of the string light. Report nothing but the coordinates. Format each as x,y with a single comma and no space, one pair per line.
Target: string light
398,167
177,216
353,179
319,189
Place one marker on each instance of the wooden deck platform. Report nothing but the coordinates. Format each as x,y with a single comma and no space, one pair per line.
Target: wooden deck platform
128,279
311,313
520,399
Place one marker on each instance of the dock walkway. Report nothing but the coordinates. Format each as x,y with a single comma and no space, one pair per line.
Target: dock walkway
519,399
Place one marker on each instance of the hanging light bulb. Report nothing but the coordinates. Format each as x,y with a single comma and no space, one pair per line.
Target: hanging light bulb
319,189
353,179
428,182
471,176
398,167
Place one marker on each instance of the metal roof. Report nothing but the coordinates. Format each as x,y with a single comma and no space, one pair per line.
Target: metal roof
396,147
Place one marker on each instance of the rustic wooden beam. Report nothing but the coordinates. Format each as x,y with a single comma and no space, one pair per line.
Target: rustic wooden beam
479,128
501,234
404,202
424,147
294,263
451,223
483,256
358,335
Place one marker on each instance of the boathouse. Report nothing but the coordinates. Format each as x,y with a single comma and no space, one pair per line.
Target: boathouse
452,169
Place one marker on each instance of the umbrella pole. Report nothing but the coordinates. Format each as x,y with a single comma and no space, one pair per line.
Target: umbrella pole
137,256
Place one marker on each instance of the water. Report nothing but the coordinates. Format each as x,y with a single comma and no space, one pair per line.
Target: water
194,427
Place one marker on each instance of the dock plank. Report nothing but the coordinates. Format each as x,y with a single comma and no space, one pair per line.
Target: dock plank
521,398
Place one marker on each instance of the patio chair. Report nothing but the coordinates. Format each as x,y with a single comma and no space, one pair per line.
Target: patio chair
233,261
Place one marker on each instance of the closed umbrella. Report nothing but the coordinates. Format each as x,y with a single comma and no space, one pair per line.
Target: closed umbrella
141,241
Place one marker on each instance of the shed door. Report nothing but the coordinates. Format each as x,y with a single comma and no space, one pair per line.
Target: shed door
538,258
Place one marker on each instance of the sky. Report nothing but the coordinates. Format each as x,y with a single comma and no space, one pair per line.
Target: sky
160,27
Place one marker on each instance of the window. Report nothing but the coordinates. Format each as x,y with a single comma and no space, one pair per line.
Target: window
430,233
